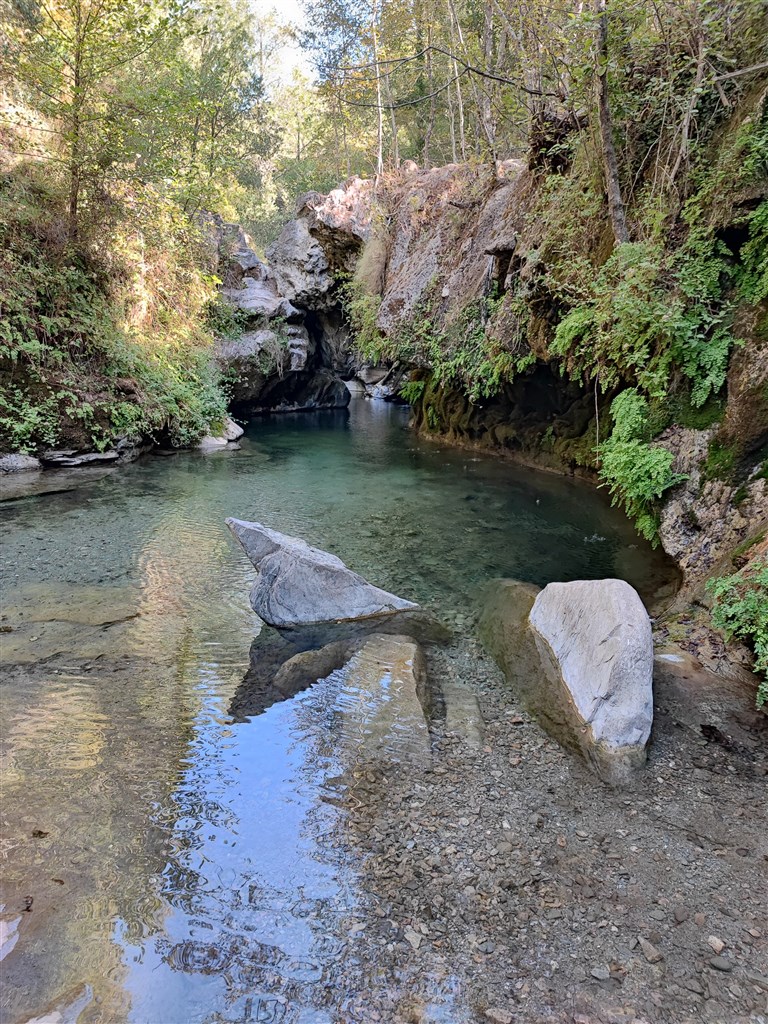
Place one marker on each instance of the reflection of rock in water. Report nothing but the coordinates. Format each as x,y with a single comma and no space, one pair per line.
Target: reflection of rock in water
283,663
382,701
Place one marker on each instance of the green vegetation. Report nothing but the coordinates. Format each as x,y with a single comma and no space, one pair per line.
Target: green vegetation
463,353
741,610
90,352
128,118
637,472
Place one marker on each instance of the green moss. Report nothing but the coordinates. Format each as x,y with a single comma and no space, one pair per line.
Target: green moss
684,413
721,461
740,552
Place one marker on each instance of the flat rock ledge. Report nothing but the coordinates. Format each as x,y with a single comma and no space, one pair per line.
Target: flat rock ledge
300,585
581,656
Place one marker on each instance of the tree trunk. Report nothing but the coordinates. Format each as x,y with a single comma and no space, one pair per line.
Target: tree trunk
75,162
459,97
610,162
379,111
395,151
431,87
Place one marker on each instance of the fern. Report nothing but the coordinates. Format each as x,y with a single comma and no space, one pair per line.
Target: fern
636,472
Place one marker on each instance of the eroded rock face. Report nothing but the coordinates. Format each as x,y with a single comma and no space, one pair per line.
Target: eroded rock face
701,523
261,356
324,238
299,584
301,267
581,656
262,300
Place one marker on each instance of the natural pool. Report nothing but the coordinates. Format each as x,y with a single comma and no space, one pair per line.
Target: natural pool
161,863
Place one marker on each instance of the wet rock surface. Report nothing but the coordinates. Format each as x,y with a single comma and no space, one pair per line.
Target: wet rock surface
383,699
18,464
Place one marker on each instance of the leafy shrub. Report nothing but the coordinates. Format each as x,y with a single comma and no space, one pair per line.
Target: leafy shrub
93,348
651,313
636,472
752,274
741,610
412,390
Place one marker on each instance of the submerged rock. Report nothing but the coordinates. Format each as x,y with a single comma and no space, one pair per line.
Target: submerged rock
209,443
581,655
299,584
383,701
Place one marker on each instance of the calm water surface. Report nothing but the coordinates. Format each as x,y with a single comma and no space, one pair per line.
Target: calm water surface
161,863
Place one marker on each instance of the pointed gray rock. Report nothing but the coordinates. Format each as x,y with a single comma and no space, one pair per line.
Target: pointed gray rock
299,584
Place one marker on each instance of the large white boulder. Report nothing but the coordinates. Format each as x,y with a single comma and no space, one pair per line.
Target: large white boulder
580,656
299,584
594,640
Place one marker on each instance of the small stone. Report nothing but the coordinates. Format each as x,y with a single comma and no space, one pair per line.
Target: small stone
693,986
720,963
601,973
658,915
699,920
651,954
496,1015
412,938
757,979
681,914
715,944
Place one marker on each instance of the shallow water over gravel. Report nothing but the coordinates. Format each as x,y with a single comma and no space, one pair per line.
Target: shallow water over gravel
162,863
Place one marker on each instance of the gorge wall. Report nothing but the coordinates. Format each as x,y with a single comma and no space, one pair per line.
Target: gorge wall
439,273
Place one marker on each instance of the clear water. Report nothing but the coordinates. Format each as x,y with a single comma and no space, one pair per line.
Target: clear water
161,862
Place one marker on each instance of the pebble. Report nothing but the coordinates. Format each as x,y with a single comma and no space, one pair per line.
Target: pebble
498,1016
681,914
601,972
651,954
693,986
715,944
757,979
720,963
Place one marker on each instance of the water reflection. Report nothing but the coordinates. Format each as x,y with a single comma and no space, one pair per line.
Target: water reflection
181,866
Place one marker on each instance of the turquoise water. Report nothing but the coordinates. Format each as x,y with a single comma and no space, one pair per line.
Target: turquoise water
162,862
